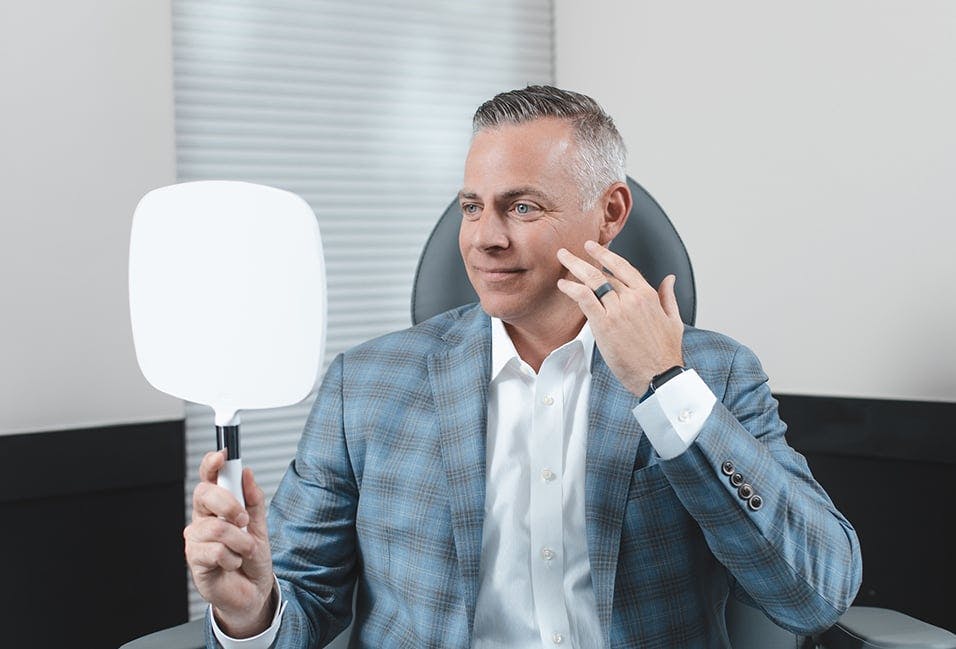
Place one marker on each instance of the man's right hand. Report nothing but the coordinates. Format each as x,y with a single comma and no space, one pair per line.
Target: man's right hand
232,567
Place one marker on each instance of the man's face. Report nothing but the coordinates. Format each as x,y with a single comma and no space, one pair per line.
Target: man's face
521,203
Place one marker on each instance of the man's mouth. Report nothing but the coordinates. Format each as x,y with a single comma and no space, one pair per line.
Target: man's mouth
492,272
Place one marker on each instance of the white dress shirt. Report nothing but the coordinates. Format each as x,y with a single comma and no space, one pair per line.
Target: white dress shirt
535,578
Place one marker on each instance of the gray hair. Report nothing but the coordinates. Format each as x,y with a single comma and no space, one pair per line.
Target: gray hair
602,156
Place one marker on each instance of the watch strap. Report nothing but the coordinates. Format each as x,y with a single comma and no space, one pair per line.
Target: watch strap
665,376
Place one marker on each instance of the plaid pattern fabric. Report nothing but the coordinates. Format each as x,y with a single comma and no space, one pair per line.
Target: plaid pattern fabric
387,490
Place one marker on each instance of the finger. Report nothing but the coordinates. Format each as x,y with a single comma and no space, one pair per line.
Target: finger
212,500
206,557
669,297
585,298
216,530
615,283
211,463
586,273
255,504
619,267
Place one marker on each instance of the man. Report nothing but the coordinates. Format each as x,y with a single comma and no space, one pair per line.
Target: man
566,464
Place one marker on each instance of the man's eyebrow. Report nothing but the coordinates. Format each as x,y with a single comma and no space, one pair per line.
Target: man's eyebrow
507,195
523,191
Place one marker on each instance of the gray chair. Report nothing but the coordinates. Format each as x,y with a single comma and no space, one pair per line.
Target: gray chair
651,243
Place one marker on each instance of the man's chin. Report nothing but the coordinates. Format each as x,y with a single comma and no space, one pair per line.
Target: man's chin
503,309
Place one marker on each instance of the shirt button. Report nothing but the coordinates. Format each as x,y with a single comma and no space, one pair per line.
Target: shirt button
557,638
547,554
548,400
548,475
685,416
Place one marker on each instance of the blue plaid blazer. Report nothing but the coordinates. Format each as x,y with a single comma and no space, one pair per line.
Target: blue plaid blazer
387,490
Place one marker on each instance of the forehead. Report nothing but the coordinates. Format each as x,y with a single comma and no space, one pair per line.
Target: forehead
533,153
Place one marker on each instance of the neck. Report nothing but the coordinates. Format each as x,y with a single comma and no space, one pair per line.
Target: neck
533,344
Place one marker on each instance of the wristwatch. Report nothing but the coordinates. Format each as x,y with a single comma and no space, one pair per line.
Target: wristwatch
662,378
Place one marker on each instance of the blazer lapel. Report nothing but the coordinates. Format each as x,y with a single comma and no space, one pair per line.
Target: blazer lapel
614,440
459,381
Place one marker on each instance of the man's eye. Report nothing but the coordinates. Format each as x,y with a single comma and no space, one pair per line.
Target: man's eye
469,210
523,209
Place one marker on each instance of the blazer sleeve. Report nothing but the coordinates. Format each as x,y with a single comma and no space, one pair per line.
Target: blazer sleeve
312,526
796,557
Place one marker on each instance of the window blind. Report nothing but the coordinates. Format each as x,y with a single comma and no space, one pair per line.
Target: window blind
364,110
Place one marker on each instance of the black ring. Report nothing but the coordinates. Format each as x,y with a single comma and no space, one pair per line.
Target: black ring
603,290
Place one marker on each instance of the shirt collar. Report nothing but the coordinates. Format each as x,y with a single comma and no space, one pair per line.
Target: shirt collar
503,349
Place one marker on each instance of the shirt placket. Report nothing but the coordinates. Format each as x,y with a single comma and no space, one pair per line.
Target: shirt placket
546,510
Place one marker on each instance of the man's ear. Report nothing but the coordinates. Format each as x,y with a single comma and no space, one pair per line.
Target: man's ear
617,202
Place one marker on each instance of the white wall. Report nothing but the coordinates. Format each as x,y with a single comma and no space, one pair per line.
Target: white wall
807,153
86,128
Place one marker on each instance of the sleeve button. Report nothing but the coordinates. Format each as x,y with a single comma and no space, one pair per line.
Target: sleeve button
755,502
736,479
746,491
727,468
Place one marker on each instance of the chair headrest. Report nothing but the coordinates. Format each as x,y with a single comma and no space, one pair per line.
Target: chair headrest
648,240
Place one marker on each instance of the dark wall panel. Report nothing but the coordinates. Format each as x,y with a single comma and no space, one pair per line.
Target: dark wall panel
890,467
91,540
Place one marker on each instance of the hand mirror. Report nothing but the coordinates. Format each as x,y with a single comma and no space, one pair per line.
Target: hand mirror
227,300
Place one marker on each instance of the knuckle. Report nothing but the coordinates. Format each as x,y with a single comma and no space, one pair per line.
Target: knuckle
211,528
218,529
209,460
195,556
201,500
199,492
218,553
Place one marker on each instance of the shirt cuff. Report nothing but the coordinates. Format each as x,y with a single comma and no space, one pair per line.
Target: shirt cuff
673,416
261,641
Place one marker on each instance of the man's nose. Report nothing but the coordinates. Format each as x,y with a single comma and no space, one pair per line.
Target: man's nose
490,230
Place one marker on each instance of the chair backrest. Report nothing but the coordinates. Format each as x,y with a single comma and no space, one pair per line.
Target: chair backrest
648,240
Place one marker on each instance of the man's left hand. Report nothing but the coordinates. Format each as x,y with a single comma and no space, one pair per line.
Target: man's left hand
637,328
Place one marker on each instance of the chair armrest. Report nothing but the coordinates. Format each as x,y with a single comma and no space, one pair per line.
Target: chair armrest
184,636
864,627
